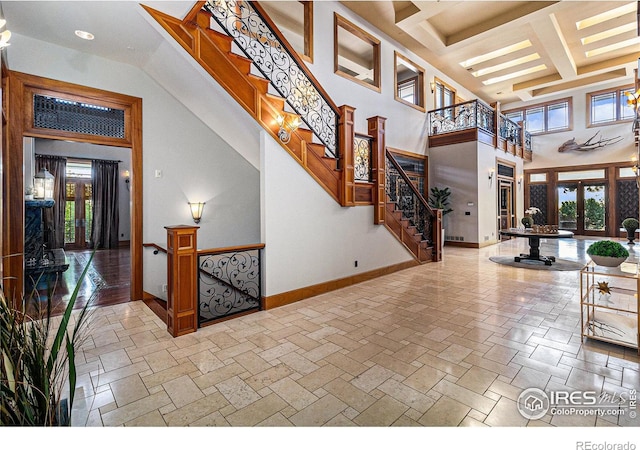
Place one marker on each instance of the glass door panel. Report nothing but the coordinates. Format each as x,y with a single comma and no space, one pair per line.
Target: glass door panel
568,207
594,207
78,214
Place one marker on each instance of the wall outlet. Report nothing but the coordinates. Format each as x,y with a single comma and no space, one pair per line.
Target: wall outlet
164,288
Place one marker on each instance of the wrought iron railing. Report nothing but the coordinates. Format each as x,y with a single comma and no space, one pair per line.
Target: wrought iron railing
509,130
229,282
260,41
362,158
463,116
408,199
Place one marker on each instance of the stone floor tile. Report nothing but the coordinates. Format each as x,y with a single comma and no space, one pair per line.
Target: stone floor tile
257,412
446,412
237,392
382,413
406,395
477,379
423,379
351,395
194,411
135,409
372,378
127,390
292,393
505,414
319,412
182,391
465,396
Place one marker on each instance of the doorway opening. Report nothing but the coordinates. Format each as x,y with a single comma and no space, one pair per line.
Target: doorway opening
582,208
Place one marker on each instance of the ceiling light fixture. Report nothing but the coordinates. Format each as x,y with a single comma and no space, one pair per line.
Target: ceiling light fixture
84,35
609,33
607,15
612,47
514,74
496,53
506,65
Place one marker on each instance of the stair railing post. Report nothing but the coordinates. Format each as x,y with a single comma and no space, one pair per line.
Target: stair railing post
346,133
376,129
182,279
496,126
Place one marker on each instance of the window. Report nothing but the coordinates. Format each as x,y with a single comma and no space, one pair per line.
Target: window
295,21
409,78
356,54
445,95
609,106
544,118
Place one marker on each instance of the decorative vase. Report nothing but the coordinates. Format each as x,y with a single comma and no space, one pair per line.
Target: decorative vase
631,235
527,221
608,261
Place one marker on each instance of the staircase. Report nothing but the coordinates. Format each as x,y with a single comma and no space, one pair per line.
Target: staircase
241,58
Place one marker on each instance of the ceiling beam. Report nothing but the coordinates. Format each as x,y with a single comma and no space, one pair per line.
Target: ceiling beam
550,34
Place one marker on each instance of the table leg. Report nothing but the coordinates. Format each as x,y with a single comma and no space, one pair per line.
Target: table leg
534,252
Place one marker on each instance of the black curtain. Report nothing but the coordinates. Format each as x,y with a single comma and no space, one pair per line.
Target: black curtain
104,181
54,217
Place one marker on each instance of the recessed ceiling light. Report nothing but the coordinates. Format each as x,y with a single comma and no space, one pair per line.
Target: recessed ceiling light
496,53
607,15
514,74
612,47
84,35
608,33
506,65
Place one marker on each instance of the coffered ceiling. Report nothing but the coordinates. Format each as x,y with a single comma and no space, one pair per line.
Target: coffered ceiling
512,50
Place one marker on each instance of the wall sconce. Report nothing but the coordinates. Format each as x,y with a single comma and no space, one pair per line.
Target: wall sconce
196,210
288,124
520,182
127,178
5,35
633,101
433,86
491,172
43,185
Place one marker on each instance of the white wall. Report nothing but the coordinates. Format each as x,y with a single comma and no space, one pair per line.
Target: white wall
309,237
545,147
195,163
84,150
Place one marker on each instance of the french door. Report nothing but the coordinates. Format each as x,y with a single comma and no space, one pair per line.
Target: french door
582,208
506,203
78,214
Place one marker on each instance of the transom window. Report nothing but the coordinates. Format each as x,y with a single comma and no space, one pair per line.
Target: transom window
609,106
444,94
545,117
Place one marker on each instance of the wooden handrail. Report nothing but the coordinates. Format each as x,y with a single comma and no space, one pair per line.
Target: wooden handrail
239,248
156,247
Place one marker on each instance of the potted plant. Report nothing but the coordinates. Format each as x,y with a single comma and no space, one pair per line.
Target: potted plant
607,253
631,225
38,361
439,199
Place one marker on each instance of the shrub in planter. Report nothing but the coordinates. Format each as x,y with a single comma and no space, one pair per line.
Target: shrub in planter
607,253
631,225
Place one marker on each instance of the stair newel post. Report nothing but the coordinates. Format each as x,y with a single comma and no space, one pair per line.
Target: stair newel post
437,235
376,129
346,133
496,124
182,279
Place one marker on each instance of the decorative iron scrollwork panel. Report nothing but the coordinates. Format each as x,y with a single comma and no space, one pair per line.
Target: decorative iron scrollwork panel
257,40
229,284
538,198
362,159
626,201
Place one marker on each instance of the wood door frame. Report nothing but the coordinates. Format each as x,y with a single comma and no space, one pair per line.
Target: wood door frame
18,101
580,207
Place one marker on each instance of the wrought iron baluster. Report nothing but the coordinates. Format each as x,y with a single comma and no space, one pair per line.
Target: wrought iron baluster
362,158
229,283
259,43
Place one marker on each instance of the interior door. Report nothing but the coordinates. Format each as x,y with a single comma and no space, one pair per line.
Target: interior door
582,208
506,206
78,213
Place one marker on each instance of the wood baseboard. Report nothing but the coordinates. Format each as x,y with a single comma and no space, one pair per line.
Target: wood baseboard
286,298
461,244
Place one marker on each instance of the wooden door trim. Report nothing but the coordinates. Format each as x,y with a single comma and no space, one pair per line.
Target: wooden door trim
20,87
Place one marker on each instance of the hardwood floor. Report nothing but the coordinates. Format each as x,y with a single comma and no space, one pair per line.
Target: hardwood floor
107,281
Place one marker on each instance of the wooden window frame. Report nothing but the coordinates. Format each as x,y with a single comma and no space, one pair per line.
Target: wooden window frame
545,106
446,86
341,22
419,79
589,108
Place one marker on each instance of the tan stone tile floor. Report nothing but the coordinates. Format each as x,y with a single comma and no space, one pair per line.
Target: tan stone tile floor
444,344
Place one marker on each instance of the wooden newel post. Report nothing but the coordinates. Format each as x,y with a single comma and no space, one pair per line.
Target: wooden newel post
376,129
346,133
182,279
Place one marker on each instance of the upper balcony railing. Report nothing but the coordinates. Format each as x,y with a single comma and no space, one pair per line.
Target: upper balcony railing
272,55
476,114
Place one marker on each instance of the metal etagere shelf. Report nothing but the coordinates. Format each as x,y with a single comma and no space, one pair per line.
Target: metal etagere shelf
609,303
